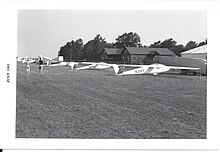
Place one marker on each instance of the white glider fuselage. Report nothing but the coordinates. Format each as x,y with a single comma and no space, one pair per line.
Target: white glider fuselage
146,69
59,64
93,65
27,61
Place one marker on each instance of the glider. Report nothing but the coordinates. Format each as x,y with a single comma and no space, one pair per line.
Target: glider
91,65
146,69
59,64
83,65
26,60
57,61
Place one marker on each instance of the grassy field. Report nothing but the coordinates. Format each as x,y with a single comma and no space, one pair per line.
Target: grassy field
94,104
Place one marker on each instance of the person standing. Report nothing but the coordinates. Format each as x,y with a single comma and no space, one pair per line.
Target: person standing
48,62
41,66
28,68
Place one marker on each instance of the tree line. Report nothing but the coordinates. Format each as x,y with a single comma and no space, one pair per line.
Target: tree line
76,50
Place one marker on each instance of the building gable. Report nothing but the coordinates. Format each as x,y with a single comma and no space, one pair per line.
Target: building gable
113,51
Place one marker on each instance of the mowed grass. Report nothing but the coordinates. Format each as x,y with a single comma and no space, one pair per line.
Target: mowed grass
95,104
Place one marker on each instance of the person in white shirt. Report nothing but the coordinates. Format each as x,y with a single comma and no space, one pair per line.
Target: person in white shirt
28,68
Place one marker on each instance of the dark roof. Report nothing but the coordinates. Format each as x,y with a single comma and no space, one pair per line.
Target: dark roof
113,50
161,51
164,51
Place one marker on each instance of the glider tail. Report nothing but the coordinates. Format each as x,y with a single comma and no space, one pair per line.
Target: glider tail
73,65
118,69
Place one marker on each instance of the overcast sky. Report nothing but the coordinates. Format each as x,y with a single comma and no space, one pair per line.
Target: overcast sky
45,31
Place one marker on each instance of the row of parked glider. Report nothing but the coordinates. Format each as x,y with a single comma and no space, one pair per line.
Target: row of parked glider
119,69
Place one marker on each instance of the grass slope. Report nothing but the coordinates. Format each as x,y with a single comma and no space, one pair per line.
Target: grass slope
62,103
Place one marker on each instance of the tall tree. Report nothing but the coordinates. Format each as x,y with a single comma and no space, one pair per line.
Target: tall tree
77,48
155,45
190,45
72,51
109,45
178,49
65,52
168,43
203,42
93,48
128,40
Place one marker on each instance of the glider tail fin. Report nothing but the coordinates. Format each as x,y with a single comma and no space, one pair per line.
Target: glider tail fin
73,66
118,69
115,67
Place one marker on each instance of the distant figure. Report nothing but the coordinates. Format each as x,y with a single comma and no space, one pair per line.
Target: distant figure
48,62
41,66
28,68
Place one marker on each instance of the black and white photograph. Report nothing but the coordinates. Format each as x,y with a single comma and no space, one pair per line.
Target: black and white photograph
109,75
93,74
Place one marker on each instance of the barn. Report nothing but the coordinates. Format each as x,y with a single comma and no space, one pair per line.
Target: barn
196,53
133,55
136,55
111,54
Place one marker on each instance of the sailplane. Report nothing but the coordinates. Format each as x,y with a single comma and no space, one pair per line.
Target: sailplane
146,69
119,69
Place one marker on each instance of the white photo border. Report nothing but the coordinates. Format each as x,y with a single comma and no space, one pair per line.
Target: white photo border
8,44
